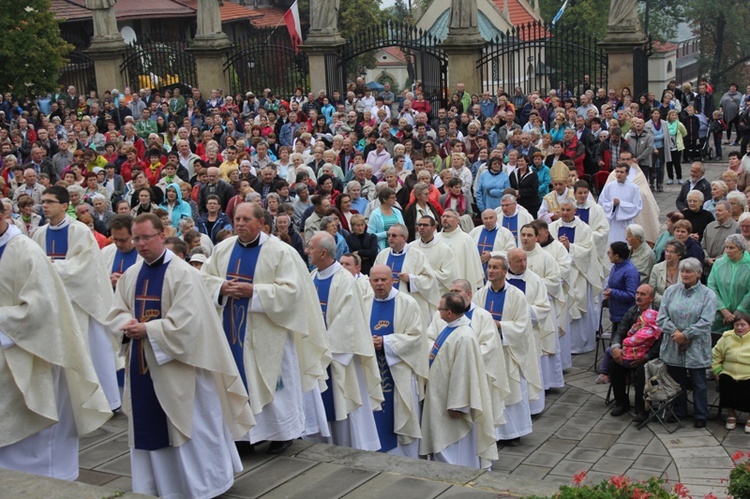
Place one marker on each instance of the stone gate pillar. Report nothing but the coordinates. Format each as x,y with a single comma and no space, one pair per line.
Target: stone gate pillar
624,35
463,46
107,46
209,47
323,38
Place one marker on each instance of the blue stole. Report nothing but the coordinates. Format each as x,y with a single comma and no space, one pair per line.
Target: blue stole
396,263
569,232
486,243
469,313
495,302
382,324
123,261
439,342
323,287
242,268
583,214
519,283
57,243
150,430
511,223
2,250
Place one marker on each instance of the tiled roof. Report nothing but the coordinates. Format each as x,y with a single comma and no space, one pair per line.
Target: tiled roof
268,17
518,12
664,47
75,10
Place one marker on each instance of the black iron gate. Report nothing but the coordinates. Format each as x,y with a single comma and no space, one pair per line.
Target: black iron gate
640,68
539,57
266,59
79,72
419,47
158,64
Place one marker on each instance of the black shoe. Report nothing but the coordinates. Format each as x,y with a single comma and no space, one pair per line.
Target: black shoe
700,423
513,442
619,410
279,447
244,448
660,188
640,417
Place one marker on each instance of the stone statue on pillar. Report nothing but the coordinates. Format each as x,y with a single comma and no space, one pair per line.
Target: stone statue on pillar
209,19
324,17
623,16
464,15
463,28
105,22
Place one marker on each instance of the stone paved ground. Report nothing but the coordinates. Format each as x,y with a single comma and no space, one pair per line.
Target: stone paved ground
575,433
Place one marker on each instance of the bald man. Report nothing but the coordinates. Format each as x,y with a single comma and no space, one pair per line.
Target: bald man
399,341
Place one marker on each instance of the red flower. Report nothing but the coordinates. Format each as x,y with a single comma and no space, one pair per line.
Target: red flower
639,494
619,481
680,490
710,495
738,455
578,478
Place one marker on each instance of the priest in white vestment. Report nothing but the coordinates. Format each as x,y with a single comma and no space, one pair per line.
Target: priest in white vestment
648,218
585,277
546,268
442,260
469,266
353,263
184,396
78,261
489,344
550,208
510,311
593,215
557,251
457,422
50,391
621,202
512,215
276,335
399,341
354,390
540,312
411,271
491,237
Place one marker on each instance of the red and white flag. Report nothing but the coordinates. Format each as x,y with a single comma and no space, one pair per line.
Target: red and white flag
291,18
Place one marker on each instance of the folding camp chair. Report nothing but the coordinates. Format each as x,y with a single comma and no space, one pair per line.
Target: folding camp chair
602,337
660,393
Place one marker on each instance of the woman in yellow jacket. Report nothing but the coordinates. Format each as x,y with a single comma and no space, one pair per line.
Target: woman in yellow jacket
731,366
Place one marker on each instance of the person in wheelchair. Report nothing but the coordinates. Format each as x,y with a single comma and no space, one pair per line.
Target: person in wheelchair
731,366
636,341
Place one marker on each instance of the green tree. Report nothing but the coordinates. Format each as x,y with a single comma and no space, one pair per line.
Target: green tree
724,40
588,17
32,51
659,18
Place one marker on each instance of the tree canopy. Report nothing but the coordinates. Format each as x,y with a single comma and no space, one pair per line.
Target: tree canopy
32,51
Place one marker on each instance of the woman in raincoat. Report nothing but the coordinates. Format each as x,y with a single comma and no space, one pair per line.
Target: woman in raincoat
730,281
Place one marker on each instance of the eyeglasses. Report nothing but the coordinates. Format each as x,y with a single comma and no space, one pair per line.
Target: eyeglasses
145,238
393,235
424,225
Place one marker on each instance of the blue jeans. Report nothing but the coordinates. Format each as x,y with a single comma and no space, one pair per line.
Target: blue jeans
700,393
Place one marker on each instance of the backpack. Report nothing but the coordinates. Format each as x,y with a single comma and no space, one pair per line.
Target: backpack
660,386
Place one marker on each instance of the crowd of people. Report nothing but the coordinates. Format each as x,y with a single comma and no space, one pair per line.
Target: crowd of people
355,269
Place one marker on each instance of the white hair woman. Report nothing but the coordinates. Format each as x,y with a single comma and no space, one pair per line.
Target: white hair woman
640,252
685,316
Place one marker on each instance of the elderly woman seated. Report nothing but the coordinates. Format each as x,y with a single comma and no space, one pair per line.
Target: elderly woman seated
731,366
667,235
730,281
640,252
744,223
667,273
695,214
738,202
682,230
685,316
719,192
